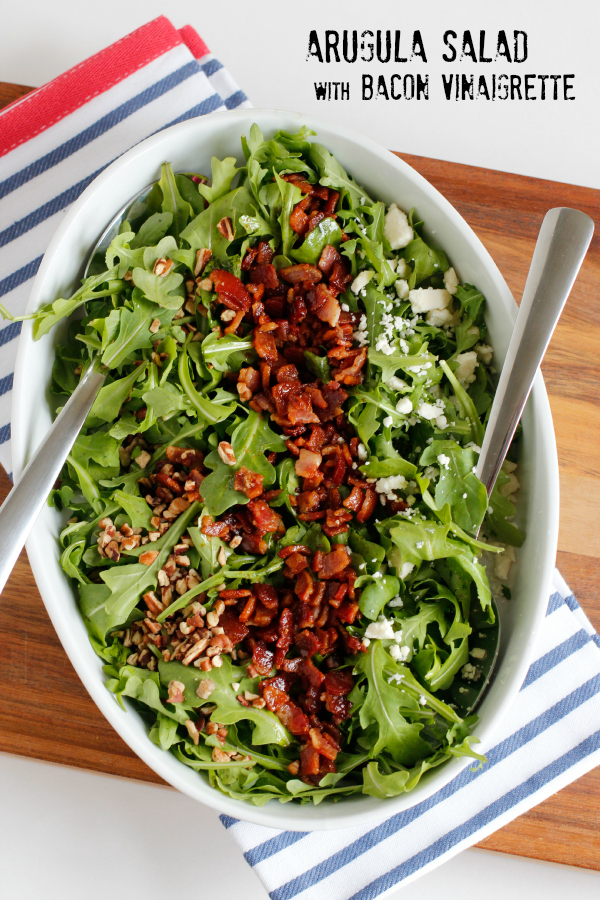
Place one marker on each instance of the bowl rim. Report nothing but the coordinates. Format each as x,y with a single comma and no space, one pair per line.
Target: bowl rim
306,816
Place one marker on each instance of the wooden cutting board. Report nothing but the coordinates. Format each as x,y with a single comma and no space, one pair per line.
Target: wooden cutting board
45,711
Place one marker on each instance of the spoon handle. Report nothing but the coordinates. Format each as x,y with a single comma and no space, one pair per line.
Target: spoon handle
561,246
24,503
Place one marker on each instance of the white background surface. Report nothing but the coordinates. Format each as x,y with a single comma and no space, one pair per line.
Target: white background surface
70,834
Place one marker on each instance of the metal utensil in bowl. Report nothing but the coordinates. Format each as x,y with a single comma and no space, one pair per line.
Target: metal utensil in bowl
561,246
24,503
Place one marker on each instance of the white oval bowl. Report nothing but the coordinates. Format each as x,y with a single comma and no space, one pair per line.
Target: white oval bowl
189,146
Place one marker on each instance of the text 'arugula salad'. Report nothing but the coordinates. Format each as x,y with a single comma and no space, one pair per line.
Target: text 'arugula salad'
273,498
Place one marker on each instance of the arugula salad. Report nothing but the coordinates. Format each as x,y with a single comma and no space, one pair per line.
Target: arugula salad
272,502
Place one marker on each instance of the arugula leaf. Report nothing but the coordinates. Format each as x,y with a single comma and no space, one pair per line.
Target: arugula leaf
375,595
112,396
172,201
326,232
333,175
267,727
381,709
457,485
136,508
250,441
224,352
223,173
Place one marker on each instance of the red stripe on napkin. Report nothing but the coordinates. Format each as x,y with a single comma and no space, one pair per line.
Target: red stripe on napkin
46,106
193,41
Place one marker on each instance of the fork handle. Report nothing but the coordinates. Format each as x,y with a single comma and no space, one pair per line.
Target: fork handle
24,503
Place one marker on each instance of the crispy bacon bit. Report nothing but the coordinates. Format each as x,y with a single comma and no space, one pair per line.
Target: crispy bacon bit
299,220
230,290
249,483
308,463
303,273
265,518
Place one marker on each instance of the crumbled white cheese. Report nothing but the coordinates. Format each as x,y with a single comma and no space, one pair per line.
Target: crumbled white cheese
450,281
442,318
484,353
345,307
380,630
470,672
503,562
391,483
406,569
235,685
432,473
361,280
444,460
427,410
397,602
397,384
396,678
424,299
478,653
441,422
399,654
362,452
404,406
511,486
388,421
403,268
422,700
366,642
396,228
467,363
402,289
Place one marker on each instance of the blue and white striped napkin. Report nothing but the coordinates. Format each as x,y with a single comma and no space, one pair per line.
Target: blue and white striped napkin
551,736
56,140
53,143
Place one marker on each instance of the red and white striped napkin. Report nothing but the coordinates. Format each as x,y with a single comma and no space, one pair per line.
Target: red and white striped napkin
54,141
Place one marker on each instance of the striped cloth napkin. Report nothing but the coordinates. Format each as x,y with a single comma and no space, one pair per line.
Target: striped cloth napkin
550,737
56,140
53,143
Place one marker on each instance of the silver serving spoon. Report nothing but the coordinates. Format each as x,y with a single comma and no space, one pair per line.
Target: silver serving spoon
24,503
561,246
559,252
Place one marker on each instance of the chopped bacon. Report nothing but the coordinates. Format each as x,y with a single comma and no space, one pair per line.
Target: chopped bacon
230,290
262,658
368,507
264,344
339,683
265,253
329,257
299,220
309,760
248,483
303,273
265,518
332,564
235,629
308,463
265,274
322,743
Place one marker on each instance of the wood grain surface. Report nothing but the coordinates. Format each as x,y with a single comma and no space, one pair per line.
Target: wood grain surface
45,711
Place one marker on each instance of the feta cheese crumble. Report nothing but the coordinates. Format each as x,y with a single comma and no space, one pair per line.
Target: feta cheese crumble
396,228
424,299
404,406
361,280
450,280
380,630
467,363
